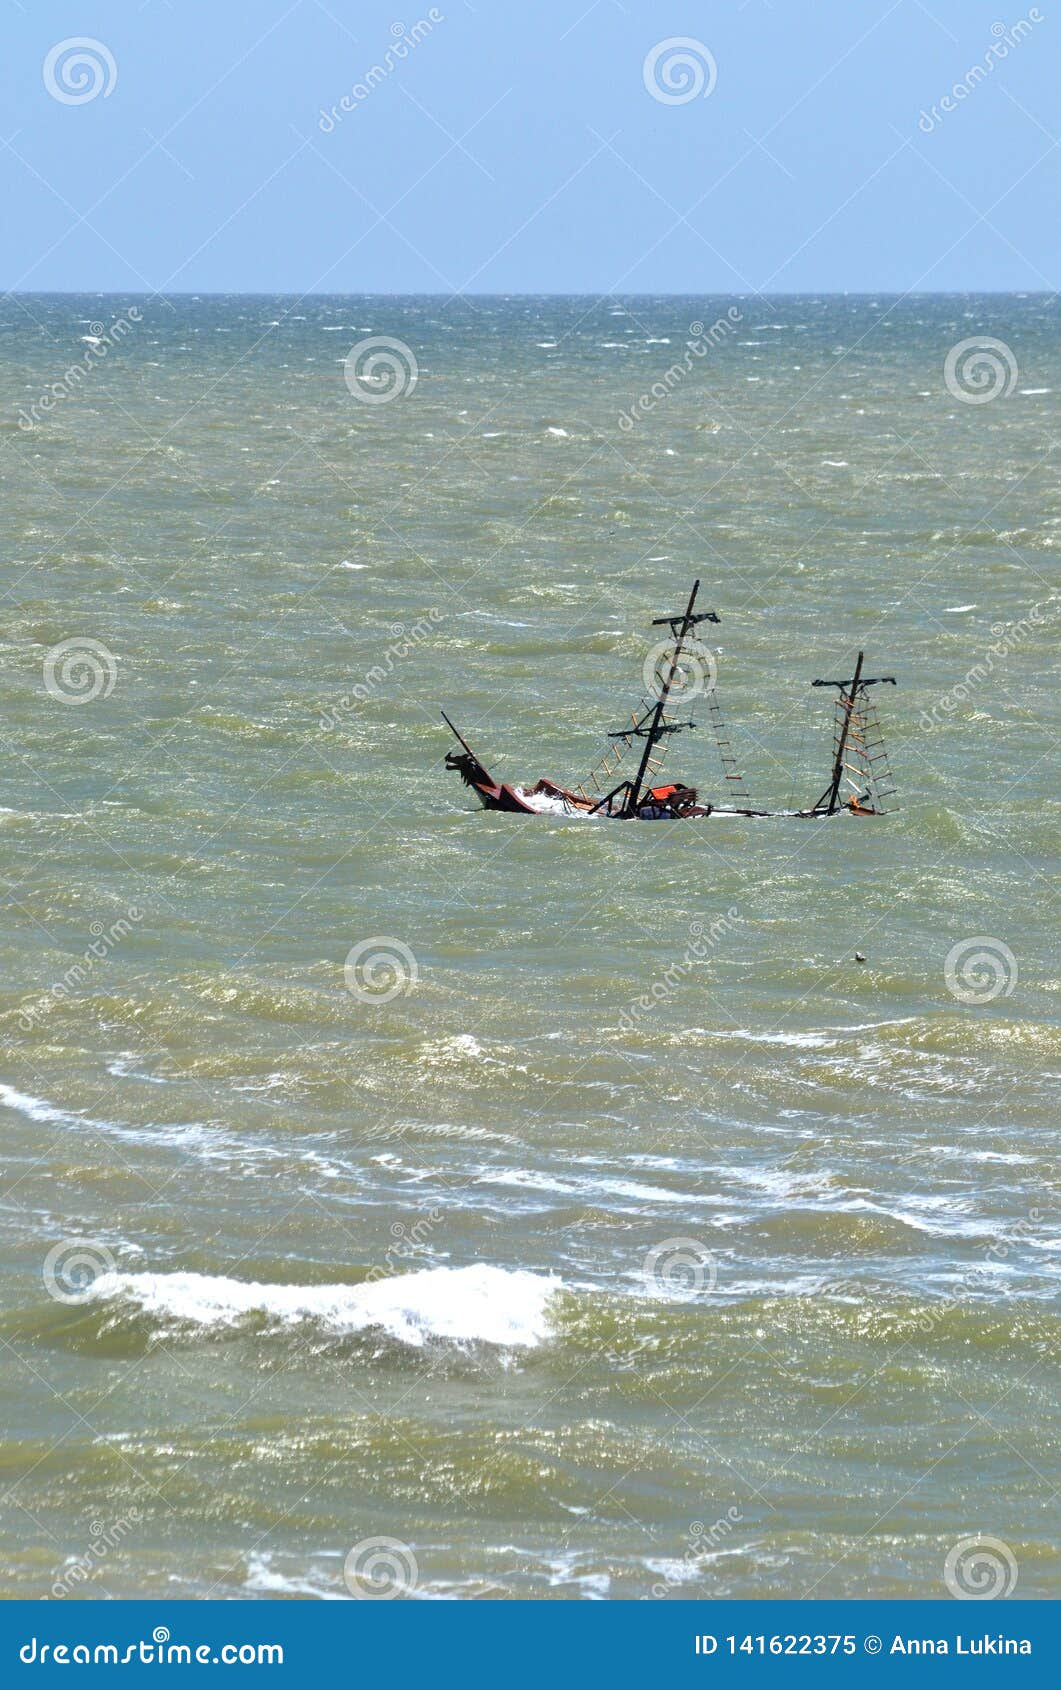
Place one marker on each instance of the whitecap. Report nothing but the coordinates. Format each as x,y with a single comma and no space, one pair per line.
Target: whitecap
532,1179
594,1586
122,1069
39,1109
477,1304
799,1041
458,1045
264,1577
195,1138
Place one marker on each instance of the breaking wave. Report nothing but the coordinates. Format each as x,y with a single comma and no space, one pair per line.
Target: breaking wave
478,1304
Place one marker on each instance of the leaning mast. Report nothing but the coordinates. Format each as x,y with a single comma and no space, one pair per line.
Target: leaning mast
847,704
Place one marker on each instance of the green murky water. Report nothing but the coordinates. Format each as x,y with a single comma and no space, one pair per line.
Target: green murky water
638,1241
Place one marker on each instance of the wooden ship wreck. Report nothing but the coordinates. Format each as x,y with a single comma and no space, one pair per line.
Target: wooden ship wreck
860,780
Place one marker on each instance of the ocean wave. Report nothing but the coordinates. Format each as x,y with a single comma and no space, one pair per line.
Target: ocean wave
477,1304
200,1139
584,1185
264,1578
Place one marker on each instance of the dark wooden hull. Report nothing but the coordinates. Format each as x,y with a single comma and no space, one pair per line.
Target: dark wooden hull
492,794
498,795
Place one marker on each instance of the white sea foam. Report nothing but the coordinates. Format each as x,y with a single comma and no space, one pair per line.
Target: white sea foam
461,1049
263,1575
453,1049
778,1184
961,1153
579,1185
201,1139
563,1569
818,1039
546,805
477,1304
187,1135
36,1108
798,1041
122,1069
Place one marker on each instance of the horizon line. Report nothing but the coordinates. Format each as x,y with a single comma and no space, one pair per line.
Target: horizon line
558,293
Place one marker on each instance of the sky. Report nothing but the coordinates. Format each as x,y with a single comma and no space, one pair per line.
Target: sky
627,146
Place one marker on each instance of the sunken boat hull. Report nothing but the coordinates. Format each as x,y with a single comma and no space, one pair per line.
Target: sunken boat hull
859,758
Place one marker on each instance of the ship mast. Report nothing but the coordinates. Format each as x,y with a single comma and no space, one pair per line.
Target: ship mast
847,704
651,727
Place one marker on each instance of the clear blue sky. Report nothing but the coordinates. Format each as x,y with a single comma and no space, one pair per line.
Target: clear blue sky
516,148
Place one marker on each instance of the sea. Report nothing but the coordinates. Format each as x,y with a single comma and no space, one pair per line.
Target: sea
404,1199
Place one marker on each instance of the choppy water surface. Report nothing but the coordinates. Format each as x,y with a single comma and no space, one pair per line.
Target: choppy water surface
643,1241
